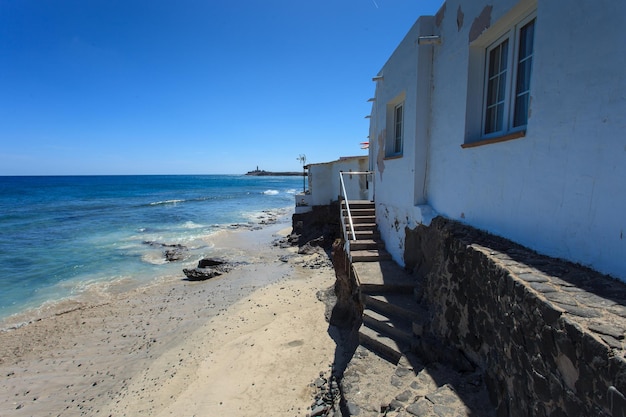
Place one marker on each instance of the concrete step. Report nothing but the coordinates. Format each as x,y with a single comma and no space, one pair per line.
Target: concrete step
381,345
366,234
362,244
370,255
387,276
402,306
358,204
395,328
360,219
362,226
359,212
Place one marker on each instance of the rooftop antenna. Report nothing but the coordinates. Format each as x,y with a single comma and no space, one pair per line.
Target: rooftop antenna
302,159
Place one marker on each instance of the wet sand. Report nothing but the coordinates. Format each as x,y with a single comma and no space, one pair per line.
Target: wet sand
247,343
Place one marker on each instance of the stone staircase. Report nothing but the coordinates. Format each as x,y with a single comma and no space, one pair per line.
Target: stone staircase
391,316
367,247
424,379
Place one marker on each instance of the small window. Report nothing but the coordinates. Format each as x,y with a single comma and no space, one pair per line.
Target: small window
397,129
507,80
394,127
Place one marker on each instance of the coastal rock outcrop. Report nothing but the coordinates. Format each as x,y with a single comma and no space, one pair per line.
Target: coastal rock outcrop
173,252
207,268
320,227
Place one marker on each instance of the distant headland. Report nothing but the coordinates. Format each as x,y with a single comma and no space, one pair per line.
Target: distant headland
262,173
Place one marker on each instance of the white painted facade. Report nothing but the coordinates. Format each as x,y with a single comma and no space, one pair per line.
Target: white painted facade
324,186
560,188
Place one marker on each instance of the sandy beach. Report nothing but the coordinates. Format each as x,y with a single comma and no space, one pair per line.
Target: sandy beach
247,343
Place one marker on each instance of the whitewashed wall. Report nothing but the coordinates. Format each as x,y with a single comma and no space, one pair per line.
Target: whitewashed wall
400,181
561,189
324,180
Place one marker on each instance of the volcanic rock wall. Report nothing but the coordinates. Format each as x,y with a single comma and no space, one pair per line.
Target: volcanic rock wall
549,335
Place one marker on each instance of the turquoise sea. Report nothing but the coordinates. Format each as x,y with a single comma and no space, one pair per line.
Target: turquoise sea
61,235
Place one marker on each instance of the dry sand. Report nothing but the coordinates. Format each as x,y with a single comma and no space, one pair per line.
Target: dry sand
247,343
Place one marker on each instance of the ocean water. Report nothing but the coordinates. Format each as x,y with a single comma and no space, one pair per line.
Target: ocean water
60,236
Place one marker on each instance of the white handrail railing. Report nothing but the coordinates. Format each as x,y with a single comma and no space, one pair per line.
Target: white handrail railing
344,195
345,198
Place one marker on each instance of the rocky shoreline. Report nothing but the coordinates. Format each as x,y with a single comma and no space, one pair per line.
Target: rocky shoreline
159,350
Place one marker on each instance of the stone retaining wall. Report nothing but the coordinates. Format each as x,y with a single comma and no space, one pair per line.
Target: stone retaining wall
549,335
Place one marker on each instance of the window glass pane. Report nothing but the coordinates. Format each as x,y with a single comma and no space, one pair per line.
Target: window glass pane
526,40
496,87
501,87
499,117
490,120
492,91
524,70
504,54
520,118
398,129
494,60
493,122
498,59
523,75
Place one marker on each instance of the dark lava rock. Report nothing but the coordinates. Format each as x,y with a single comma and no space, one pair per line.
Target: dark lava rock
208,268
200,274
172,255
174,252
208,262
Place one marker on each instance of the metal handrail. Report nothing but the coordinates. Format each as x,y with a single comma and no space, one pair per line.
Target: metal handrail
345,198
344,194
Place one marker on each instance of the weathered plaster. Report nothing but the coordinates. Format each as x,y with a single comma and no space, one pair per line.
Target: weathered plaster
459,18
481,23
380,157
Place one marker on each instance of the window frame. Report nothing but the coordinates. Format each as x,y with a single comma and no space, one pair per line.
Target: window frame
395,129
512,36
398,125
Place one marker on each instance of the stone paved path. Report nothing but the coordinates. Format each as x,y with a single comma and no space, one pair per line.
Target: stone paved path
374,387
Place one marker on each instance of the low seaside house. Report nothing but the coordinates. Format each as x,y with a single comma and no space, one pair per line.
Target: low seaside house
324,184
510,117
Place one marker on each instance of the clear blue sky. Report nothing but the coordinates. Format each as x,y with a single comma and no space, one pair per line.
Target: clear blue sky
190,86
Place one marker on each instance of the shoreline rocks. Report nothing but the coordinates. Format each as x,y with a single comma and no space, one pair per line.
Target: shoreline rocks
207,268
173,252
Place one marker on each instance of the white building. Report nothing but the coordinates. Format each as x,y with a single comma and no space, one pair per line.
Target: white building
324,184
509,116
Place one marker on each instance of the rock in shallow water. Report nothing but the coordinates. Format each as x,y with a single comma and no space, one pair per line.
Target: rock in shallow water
174,252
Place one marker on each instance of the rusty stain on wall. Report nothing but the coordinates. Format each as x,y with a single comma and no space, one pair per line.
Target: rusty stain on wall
380,158
459,18
440,15
482,22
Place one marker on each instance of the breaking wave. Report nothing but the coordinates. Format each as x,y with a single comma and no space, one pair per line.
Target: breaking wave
174,202
161,203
